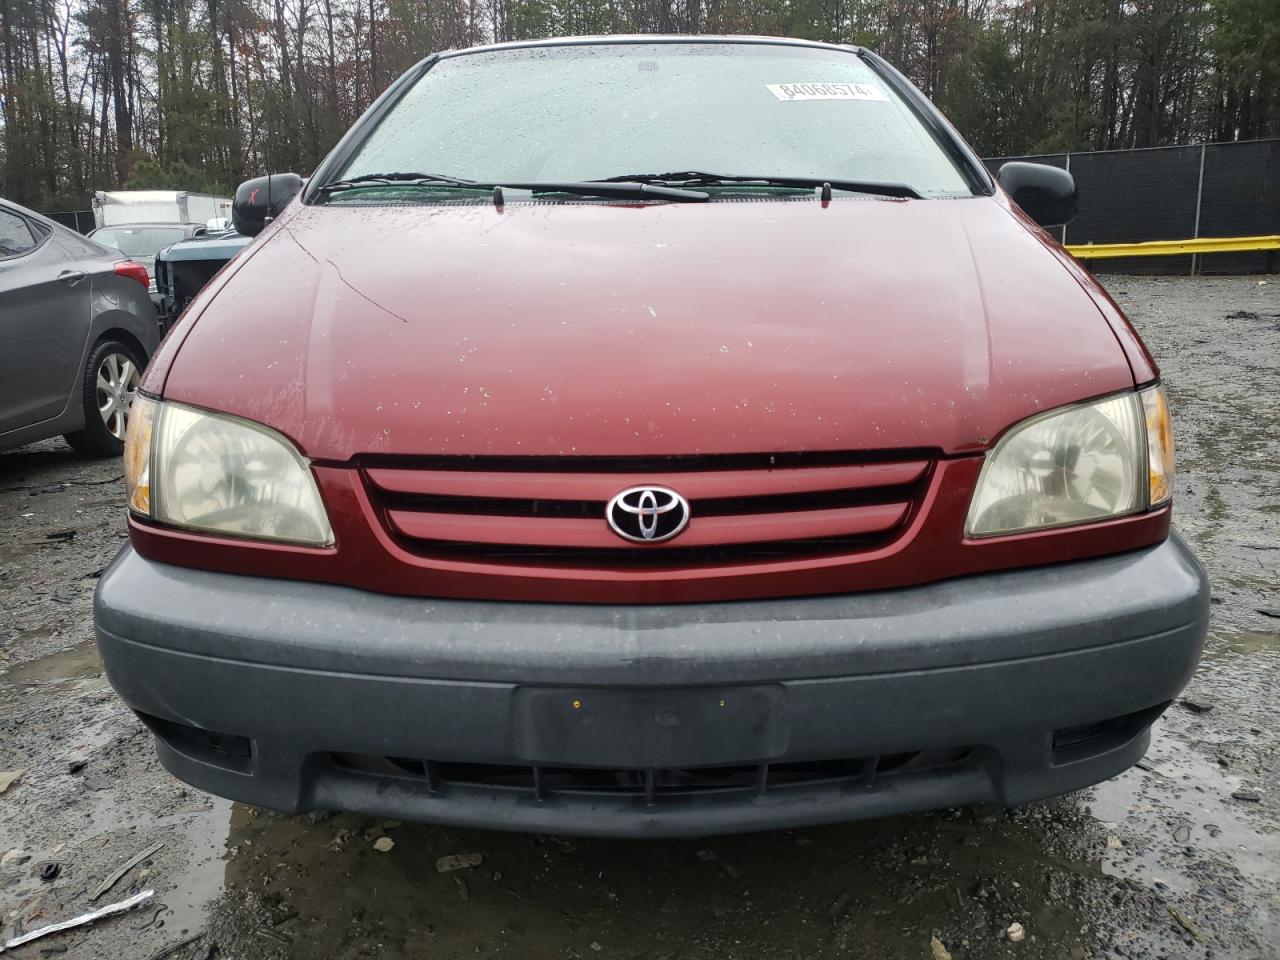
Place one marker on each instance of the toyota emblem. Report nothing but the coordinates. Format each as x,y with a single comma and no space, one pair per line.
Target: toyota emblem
647,514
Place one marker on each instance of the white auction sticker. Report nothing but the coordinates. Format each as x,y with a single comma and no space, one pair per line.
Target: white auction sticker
826,91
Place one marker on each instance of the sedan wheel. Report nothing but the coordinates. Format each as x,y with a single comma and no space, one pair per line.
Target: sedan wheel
117,385
109,384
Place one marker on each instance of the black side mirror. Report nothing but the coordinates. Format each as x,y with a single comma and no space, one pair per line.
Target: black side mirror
260,200
1047,194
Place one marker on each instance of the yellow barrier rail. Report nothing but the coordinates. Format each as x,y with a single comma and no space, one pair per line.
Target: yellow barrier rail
1160,248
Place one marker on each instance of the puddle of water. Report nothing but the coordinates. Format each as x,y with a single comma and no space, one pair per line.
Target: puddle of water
878,888
1243,642
187,873
77,662
1181,830
202,876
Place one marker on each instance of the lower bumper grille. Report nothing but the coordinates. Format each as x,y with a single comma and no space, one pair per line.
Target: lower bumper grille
654,785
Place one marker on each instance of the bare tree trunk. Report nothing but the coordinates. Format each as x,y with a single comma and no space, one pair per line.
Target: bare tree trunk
116,68
373,53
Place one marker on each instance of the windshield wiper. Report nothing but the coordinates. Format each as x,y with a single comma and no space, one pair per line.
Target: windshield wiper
624,188
612,188
703,179
395,179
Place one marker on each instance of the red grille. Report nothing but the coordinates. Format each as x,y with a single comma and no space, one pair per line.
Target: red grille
553,511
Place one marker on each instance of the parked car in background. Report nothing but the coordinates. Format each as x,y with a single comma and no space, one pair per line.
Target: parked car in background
182,269
77,328
111,207
142,241
651,436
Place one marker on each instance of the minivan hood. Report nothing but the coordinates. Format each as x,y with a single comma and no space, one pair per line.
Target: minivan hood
591,328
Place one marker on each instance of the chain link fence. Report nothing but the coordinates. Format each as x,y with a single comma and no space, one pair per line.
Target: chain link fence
1174,193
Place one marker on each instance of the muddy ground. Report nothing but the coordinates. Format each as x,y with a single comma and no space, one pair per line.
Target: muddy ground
1178,858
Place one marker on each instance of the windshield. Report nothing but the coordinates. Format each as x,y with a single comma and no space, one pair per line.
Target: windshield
593,111
138,241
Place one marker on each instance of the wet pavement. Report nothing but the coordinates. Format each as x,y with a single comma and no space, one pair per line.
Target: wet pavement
1177,858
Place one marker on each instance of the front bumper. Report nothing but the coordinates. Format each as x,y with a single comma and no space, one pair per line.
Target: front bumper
653,720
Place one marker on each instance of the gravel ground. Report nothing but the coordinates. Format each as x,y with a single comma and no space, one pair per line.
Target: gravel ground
1177,858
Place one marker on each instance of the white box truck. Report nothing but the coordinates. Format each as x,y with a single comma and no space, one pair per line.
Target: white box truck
111,208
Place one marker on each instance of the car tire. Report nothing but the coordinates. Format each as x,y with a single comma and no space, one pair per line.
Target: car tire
108,387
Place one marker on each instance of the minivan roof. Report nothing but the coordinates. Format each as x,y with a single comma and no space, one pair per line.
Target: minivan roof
623,38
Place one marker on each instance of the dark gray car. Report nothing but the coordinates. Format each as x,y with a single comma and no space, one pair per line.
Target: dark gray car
76,329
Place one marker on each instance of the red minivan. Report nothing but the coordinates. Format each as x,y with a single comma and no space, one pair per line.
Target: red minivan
651,436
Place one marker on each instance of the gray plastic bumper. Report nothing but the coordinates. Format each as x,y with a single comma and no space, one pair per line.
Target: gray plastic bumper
1033,682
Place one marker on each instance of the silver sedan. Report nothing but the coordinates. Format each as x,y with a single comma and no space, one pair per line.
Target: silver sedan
76,330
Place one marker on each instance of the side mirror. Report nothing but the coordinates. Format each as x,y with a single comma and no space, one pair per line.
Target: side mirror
260,200
1046,194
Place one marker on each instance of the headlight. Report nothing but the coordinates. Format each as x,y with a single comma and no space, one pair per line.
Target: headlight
1079,464
220,474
